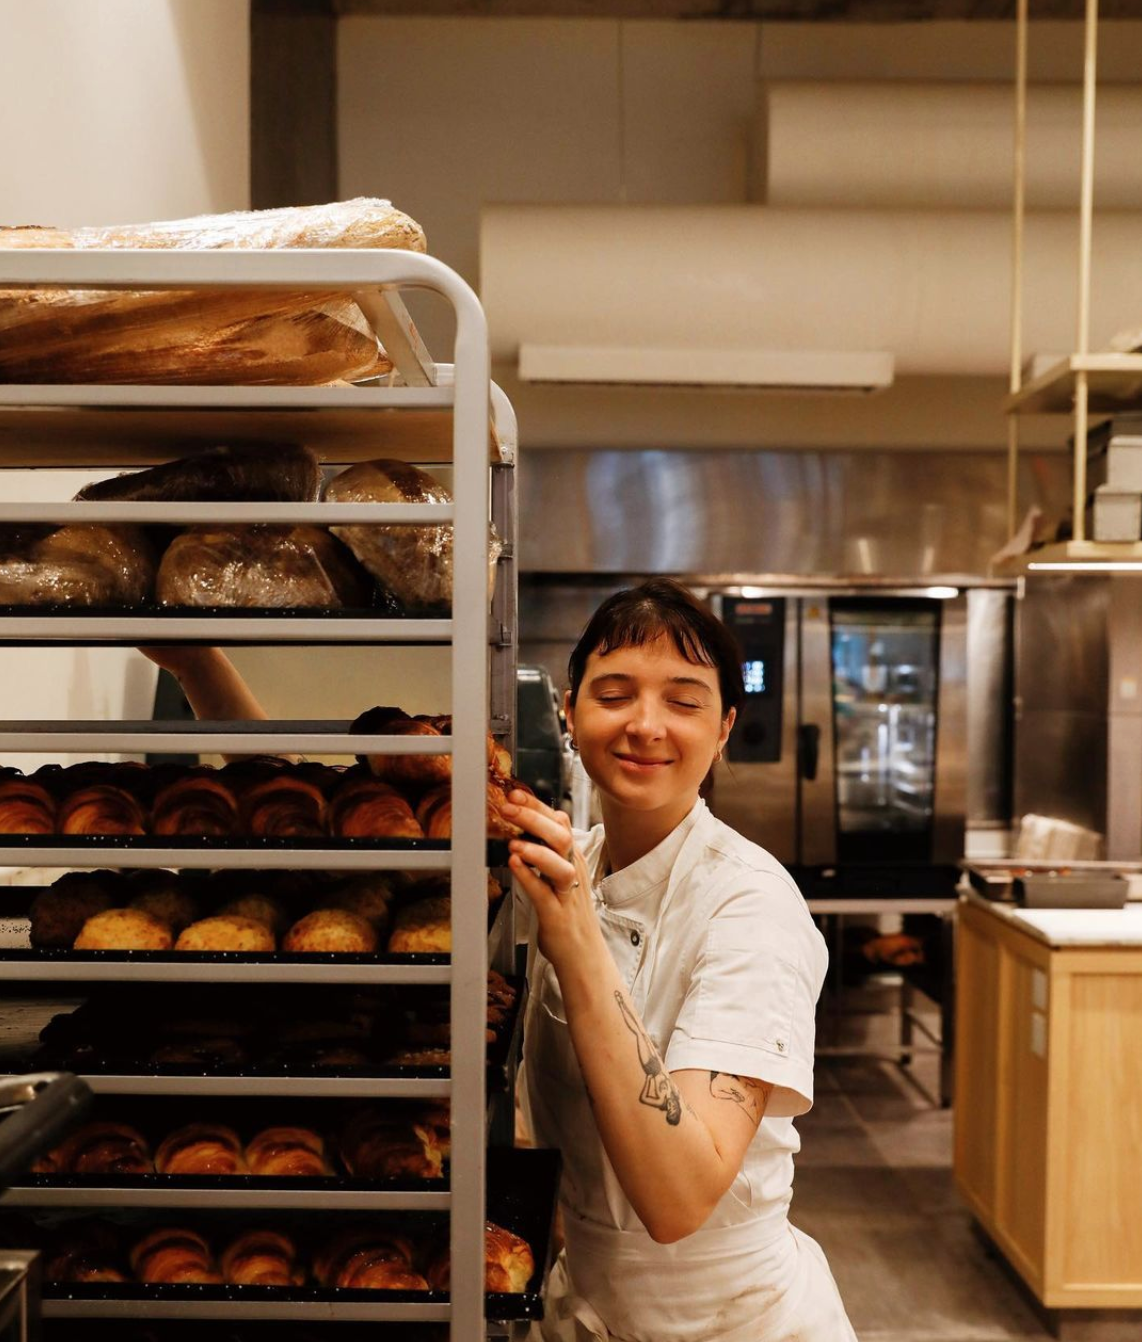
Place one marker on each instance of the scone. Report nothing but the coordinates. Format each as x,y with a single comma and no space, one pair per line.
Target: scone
124,930
227,932
331,930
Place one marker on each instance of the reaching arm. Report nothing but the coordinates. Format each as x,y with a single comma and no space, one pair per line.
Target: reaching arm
676,1140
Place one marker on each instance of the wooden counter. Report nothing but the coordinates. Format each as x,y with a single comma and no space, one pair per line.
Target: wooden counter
1048,1111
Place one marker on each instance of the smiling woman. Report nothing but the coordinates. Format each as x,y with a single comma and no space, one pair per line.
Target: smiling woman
669,1043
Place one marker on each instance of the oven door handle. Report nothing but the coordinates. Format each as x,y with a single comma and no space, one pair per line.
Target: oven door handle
808,750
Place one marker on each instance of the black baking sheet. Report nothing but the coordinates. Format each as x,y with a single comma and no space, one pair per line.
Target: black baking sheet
522,1187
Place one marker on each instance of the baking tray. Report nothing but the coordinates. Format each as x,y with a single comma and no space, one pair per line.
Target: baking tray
522,1188
497,849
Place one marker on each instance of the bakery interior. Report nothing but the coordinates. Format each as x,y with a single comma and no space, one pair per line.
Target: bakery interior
806,304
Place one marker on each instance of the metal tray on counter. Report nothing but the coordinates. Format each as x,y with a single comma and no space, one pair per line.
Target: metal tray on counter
1041,884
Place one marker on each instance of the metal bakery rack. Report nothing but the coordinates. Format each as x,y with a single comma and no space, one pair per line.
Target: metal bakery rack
425,413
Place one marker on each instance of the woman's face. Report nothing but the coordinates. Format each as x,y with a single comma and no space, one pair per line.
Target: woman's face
648,725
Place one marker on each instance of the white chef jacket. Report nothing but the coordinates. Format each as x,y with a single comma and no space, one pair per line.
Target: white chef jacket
724,966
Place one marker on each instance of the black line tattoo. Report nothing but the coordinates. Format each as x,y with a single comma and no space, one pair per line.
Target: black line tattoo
659,1092
749,1095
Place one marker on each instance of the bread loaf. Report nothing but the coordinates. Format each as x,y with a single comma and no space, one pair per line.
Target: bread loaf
226,336
264,472
43,565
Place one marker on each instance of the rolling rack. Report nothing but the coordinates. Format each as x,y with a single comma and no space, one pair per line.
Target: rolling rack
427,413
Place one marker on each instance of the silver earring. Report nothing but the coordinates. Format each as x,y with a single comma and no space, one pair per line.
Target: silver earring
573,744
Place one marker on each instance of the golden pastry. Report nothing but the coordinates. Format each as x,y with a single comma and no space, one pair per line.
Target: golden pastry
262,909
423,927
227,932
124,930
59,913
331,930
201,1148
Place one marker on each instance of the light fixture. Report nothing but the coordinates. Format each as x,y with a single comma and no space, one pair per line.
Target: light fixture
942,593
1087,566
845,371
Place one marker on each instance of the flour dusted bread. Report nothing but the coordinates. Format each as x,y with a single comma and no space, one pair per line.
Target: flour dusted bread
236,336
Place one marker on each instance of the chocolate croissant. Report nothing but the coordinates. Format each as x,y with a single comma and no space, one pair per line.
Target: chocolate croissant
105,1148
101,809
26,808
509,1263
201,1148
366,1259
378,1145
288,1153
174,1255
366,808
261,1258
197,805
284,807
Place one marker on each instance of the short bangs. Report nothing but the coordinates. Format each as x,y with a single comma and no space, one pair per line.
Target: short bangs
662,608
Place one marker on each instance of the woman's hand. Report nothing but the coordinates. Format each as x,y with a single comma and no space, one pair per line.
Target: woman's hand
554,876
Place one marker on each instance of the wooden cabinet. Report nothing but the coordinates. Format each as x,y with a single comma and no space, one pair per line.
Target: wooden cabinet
1048,1119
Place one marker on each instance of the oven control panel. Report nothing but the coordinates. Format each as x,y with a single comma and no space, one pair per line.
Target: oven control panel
759,624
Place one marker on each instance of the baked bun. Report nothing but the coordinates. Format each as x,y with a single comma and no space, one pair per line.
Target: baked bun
331,930
26,808
367,1259
198,805
367,808
227,932
288,1153
105,1148
262,909
174,1256
201,1148
423,927
378,1145
101,809
509,1263
369,896
59,913
261,1258
169,905
284,807
124,930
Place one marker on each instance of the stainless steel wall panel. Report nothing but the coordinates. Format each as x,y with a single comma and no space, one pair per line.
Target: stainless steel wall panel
1060,766
818,819
990,690
951,735
795,512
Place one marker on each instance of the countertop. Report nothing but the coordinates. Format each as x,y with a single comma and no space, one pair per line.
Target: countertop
1071,927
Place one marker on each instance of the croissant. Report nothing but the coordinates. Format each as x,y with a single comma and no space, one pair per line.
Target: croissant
284,807
435,813
261,1258
366,808
377,1146
365,1259
288,1153
419,770
174,1256
198,805
88,1253
508,1262
101,809
26,808
201,1148
105,1148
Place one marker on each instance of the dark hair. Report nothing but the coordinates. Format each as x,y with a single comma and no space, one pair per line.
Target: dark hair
639,615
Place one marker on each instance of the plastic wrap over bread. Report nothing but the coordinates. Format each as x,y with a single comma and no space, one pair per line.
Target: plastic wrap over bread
413,562
227,336
258,473
260,566
75,566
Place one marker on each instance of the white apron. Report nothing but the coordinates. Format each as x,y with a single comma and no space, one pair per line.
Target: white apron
745,1276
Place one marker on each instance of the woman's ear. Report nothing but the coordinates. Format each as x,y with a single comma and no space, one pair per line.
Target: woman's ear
727,726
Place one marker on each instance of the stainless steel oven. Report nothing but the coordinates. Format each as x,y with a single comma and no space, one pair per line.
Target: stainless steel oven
850,749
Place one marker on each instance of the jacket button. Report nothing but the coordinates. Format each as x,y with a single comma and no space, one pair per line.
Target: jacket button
635,938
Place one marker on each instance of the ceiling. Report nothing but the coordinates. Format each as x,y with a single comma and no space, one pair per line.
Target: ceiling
794,11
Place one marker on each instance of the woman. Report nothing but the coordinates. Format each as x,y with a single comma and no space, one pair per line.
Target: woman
669,1043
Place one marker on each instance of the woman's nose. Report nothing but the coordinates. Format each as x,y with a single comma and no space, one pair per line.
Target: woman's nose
645,719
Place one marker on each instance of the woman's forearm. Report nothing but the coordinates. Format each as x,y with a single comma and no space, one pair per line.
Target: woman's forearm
663,1154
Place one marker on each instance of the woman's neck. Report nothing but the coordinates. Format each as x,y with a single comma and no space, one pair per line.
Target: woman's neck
630,835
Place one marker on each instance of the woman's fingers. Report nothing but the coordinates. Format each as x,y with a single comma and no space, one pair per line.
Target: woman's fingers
559,872
542,896
552,827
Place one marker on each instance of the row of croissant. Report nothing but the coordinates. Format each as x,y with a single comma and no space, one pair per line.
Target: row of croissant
250,912
398,569
381,797
374,1143
275,1031
359,1257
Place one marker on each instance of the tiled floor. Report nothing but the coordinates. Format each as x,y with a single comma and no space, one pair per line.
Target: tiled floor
874,1188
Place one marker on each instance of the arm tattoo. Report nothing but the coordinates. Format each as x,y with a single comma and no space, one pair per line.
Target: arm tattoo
749,1095
659,1092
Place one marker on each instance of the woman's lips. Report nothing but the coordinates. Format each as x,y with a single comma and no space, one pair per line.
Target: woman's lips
639,765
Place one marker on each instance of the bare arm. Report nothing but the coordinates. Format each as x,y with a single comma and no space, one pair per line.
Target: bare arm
676,1141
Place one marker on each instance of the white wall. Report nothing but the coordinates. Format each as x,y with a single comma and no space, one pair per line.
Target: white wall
112,111
446,115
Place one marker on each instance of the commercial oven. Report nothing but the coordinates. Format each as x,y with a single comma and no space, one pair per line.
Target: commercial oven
850,747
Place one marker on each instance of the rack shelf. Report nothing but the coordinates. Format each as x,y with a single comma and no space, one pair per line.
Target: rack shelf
135,630
253,1198
1114,383
184,969
258,1087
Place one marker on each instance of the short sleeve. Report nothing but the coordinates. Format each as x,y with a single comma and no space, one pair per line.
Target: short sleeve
751,1004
